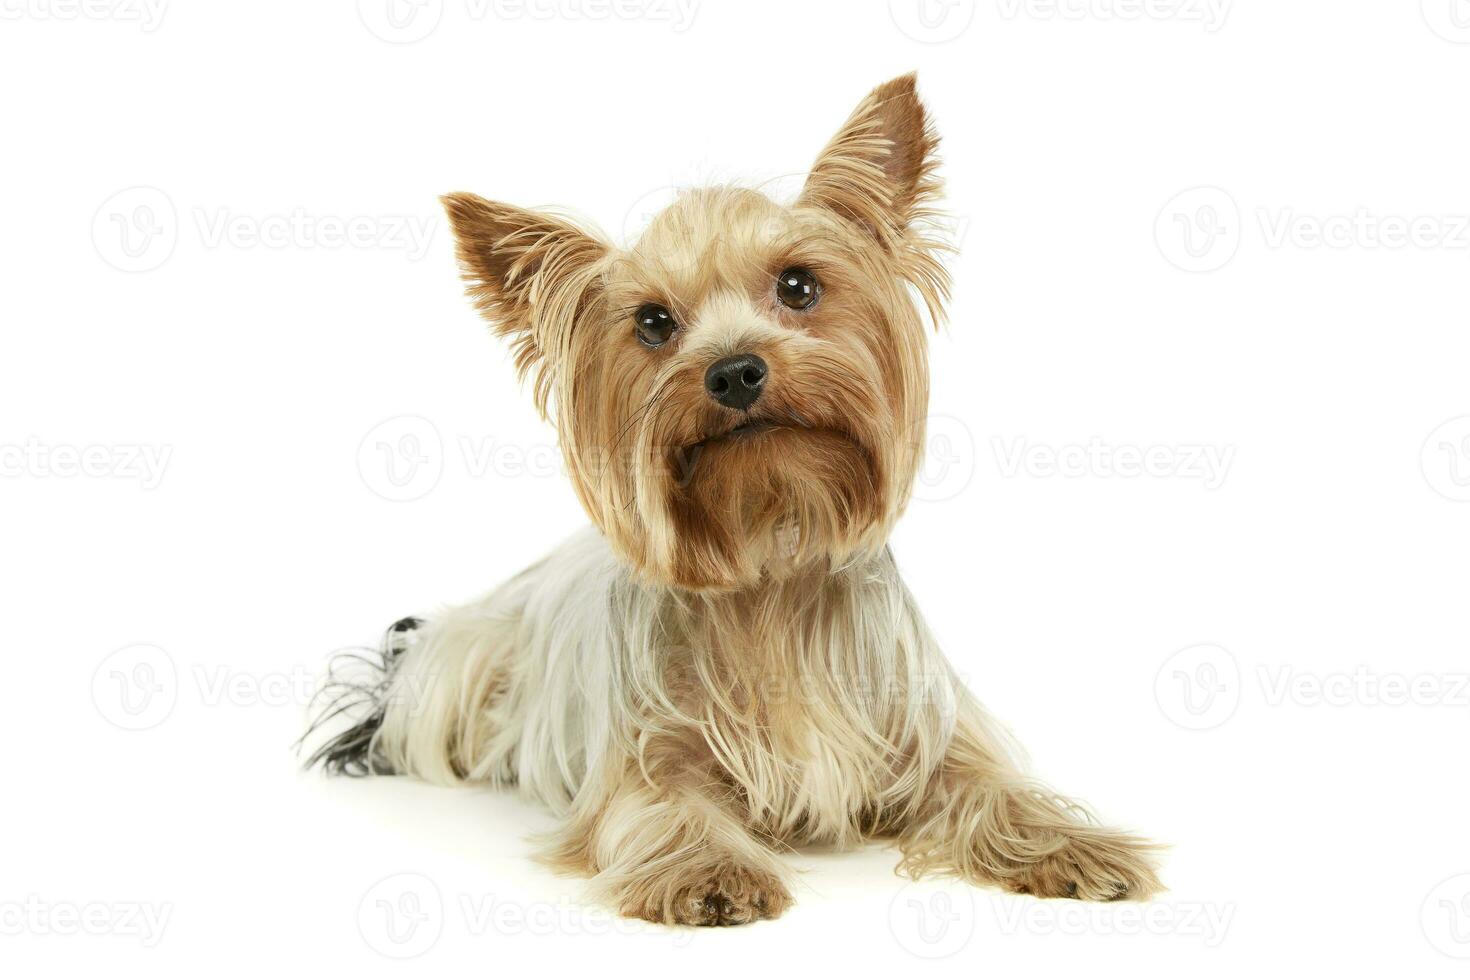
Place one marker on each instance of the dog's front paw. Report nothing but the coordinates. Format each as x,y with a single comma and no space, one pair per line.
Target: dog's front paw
1093,865
722,895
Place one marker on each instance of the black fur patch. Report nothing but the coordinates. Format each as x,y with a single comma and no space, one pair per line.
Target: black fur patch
357,683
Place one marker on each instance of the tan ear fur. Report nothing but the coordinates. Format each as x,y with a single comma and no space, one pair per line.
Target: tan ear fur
531,275
880,174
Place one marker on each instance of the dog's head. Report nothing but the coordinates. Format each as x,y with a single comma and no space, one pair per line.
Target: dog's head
742,392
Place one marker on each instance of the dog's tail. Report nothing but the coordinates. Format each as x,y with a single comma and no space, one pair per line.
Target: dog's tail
357,687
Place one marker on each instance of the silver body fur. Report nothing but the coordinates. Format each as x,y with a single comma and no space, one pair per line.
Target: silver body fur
728,666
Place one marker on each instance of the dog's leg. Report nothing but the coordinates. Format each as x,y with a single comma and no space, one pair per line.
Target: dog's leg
671,848
985,821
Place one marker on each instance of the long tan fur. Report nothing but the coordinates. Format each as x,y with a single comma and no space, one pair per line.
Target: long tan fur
729,665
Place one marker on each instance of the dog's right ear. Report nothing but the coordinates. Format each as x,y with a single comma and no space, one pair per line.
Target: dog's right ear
530,274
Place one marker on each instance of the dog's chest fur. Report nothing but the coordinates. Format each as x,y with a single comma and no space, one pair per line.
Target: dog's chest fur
820,702
821,699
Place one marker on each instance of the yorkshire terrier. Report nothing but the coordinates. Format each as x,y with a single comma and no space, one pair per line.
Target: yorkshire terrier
729,665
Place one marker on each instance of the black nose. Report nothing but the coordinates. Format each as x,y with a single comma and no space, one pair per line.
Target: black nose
736,382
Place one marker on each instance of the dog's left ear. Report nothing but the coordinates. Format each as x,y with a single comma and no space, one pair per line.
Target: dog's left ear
879,173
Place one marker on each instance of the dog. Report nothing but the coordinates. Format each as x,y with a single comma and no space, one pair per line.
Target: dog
728,665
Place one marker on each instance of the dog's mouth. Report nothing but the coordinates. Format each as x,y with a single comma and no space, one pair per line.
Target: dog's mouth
686,459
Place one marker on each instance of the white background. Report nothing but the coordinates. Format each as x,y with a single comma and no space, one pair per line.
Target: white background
1277,319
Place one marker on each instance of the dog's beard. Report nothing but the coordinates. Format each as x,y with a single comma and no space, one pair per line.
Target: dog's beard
738,498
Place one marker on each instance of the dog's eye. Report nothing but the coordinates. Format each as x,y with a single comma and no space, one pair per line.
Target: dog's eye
655,325
797,288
